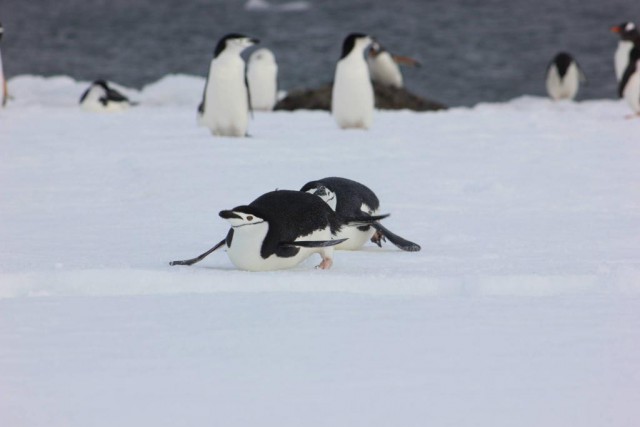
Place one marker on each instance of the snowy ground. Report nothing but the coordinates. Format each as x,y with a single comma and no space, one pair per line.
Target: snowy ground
520,310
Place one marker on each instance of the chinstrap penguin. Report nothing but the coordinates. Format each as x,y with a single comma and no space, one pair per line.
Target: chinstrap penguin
383,66
629,37
3,82
280,229
350,198
629,87
262,76
225,102
100,97
352,98
563,77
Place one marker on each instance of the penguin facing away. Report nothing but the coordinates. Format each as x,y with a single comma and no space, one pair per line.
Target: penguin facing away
629,86
100,97
563,77
629,37
225,102
279,230
352,98
3,81
262,77
383,66
350,198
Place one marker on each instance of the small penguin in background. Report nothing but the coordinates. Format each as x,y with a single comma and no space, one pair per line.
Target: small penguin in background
99,97
3,81
629,87
352,98
629,37
563,77
350,198
225,102
262,76
383,66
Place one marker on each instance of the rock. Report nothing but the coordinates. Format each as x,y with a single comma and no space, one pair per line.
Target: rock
387,98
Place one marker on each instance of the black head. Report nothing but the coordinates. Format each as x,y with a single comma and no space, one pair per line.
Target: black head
627,31
241,216
352,40
239,41
563,60
101,83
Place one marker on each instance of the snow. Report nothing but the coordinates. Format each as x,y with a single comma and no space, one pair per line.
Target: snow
521,309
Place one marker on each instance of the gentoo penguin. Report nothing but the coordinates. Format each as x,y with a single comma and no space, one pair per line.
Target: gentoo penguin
350,198
262,76
225,102
383,66
352,98
3,81
100,97
629,37
280,229
629,86
563,77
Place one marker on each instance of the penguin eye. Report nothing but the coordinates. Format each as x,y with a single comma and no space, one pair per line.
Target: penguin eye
249,218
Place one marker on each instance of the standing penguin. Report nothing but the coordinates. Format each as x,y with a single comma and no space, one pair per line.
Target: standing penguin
629,86
225,102
383,66
262,76
350,198
99,97
352,99
629,37
3,82
280,229
563,77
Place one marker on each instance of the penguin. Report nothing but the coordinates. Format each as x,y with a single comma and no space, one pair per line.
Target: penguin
352,99
629,37
3,82
262,76
99,97
348,199
280,229
563,77
383,66
629,87
225,102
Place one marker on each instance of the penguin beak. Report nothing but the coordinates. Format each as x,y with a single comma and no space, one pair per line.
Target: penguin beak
616,29
254,41
229,215
321,191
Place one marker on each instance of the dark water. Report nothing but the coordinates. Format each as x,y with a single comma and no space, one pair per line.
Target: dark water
472,50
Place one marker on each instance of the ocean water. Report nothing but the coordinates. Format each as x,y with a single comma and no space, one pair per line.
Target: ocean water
471,51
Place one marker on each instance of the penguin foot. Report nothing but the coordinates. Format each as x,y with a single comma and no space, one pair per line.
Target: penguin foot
325,264
632,116
378,238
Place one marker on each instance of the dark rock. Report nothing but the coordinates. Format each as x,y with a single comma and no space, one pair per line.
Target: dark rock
387,98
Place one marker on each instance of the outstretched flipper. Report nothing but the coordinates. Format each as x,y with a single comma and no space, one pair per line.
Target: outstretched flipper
364,220
201,256
313,243
383,232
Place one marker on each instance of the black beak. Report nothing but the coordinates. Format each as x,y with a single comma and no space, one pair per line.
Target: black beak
229,215
254,41
321,191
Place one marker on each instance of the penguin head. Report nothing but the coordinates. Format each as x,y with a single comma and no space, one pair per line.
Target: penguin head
626,30
355,42
328,196
263,55
242,216
234,42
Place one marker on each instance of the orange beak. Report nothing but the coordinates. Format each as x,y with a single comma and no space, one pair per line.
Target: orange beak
616,29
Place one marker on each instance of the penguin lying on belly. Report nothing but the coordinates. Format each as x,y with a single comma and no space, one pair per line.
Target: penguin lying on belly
350,198
100,97
280,229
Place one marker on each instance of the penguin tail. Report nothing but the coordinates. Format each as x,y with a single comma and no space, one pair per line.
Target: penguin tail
313,243
383,233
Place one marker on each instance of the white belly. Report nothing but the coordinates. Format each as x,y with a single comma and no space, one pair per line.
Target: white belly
632,91
352,100
226,107
384,70
565,87
621,58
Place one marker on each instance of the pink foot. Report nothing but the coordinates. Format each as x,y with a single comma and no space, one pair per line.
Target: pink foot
325,264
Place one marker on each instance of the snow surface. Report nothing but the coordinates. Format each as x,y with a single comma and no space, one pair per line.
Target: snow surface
520,310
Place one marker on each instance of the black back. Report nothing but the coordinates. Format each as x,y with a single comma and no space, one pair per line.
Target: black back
222,43
349,42
350,195
634,57
562,61
290,214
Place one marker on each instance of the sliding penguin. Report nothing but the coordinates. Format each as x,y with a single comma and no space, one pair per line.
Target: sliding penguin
262,77
629,37
3,82
352,99
629,86
225,103
280,229
383,66
563,77
99,97
350,198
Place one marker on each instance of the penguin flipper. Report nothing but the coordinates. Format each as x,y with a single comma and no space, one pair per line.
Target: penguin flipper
364,220
312,243
405,60
398,241
204,255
